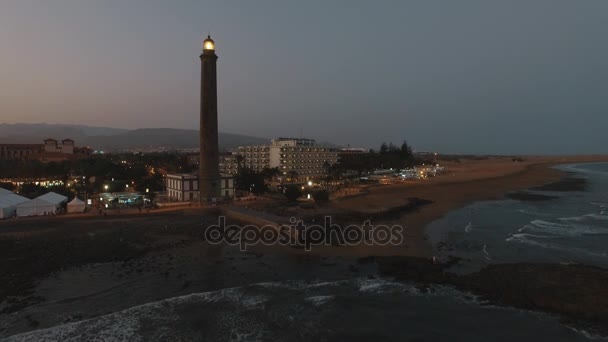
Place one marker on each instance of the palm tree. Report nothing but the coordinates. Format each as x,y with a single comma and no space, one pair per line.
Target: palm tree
327,174
292,175
239,162
270,173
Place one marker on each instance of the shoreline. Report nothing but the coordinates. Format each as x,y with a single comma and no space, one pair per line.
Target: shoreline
451,192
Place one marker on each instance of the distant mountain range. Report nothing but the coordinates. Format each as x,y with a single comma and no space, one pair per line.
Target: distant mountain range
112,139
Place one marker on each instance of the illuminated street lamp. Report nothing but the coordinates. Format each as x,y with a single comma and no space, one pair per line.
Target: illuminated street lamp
105,187
147,190
309,183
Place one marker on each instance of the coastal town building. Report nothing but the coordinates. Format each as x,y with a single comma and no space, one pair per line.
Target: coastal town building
184,187
300,156
50,150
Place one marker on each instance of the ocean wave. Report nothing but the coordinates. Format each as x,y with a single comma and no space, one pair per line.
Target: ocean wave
533,213
319,300
586,217
563,229
599,204
528,239
127,325
383,286
599,216
240,314
528,235
229,307
588,335
522,238
485,251
579,168
573,218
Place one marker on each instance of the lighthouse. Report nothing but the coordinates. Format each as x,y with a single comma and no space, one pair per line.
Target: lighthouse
209,176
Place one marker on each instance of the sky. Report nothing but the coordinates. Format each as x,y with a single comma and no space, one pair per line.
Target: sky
467,76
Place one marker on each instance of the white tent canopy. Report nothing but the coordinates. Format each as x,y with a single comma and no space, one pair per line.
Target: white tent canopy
35,207
8,204
3,191
76,206
54,198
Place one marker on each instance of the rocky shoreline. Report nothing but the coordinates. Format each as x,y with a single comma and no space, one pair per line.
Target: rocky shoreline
577,293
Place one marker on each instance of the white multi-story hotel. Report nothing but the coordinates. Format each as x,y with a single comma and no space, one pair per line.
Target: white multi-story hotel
302,156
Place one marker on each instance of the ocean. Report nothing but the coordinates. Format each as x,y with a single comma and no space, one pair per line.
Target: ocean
568,227
565,227
349,310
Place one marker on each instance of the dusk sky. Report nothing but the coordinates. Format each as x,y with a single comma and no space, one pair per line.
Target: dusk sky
521,76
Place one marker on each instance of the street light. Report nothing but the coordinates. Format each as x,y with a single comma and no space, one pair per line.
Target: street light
105,187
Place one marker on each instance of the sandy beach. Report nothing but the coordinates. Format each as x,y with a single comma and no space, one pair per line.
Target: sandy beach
465,182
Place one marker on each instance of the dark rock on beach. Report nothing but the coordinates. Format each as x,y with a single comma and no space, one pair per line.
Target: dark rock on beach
577,293
566,184
529,196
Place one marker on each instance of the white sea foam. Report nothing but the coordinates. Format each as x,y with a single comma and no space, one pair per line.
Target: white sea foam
599,204
561,229
379,285
573,219
319,300
537,236
468,228
600,216
485,252
294,285
533,213
587,334
586,217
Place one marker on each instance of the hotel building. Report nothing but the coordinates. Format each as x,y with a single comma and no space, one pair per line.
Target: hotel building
302,156
51,150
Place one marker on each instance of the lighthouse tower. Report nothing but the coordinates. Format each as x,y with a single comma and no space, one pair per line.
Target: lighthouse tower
209,176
